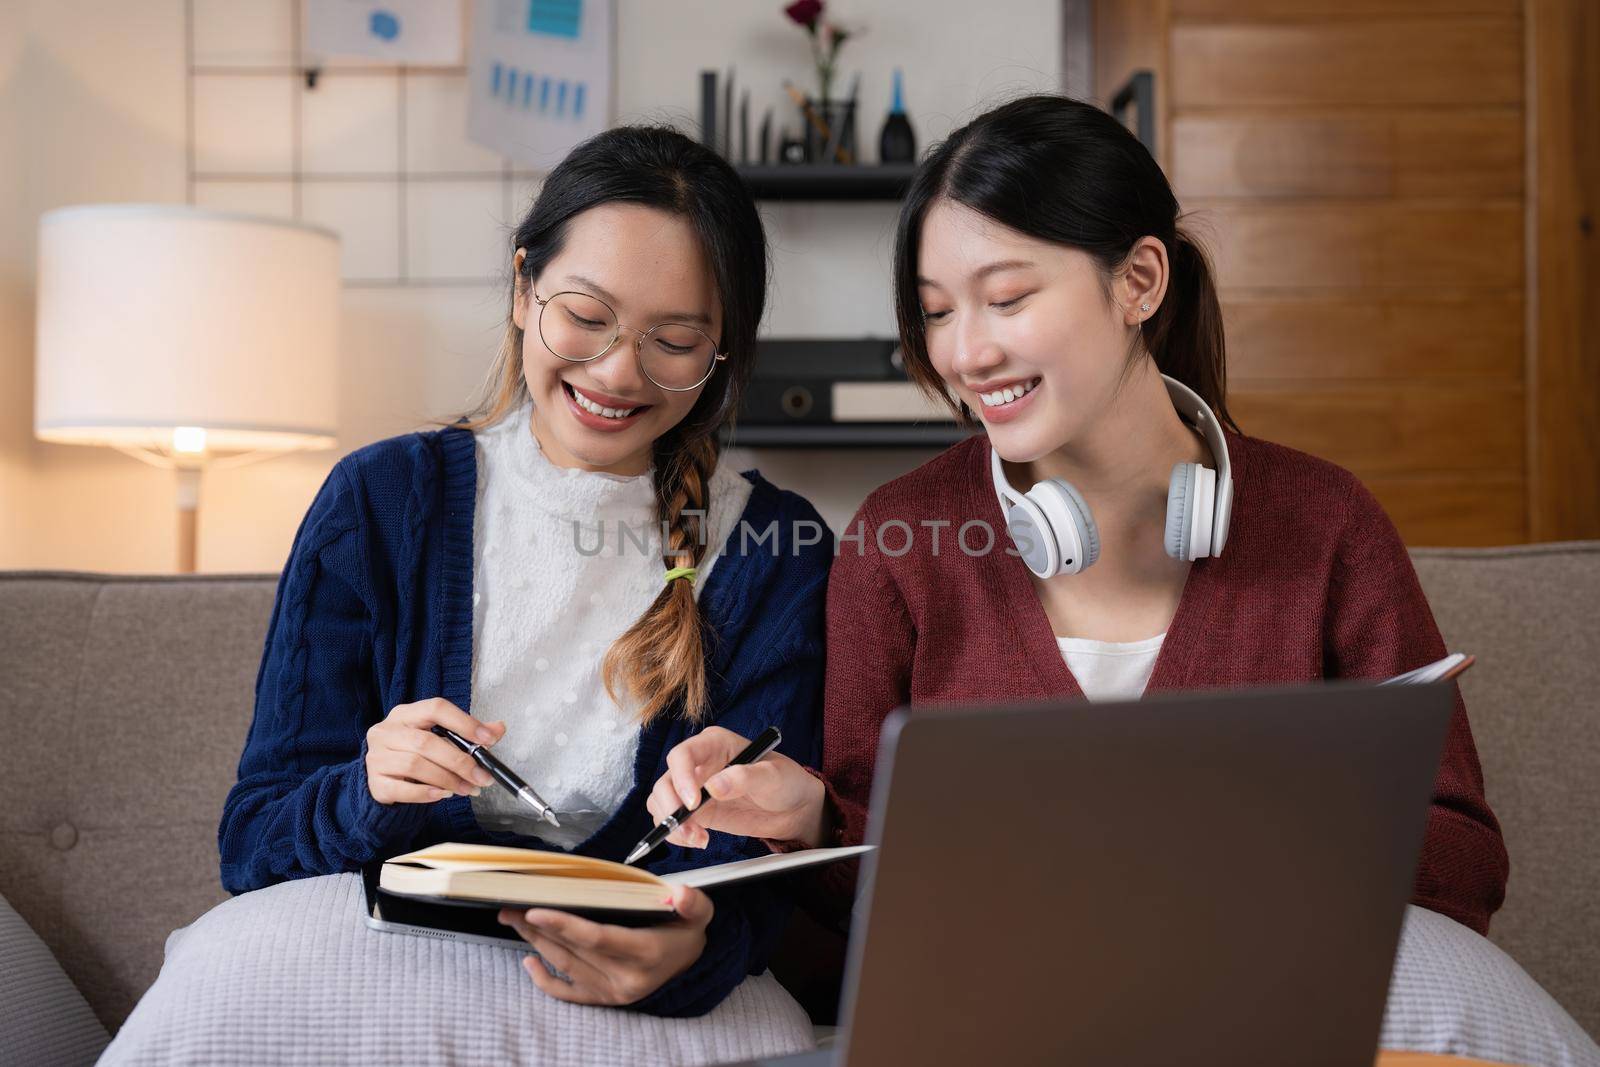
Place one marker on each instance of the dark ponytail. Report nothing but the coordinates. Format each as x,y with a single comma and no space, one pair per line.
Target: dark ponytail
1064,171
1184,336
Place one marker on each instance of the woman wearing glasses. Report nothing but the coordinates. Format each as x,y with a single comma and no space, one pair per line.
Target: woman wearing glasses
562,574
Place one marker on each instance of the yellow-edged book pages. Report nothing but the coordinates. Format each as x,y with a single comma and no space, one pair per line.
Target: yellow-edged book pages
523,876
454,871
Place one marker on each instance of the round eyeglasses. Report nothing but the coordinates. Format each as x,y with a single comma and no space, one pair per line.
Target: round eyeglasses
579,328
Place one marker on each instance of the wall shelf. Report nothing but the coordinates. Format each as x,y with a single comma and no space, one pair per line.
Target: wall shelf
827,181
843,403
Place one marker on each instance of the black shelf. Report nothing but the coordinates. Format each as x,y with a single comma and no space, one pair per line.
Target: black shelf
827,181
845,435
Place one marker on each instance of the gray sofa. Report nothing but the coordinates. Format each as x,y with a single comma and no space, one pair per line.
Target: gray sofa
124,703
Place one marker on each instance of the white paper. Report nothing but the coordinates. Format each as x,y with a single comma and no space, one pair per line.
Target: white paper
739,870
1430,672
540,74
418,32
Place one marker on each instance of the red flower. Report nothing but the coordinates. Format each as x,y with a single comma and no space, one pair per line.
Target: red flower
805,12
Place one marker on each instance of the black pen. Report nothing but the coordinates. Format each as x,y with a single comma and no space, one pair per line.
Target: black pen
502,774
766,742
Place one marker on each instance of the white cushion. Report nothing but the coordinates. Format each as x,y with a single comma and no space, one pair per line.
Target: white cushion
292,974
44,1020
1454,992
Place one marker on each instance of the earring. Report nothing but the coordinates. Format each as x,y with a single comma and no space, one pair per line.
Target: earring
1144,307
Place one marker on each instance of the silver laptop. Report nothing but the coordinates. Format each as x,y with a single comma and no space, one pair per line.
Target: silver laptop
1198,879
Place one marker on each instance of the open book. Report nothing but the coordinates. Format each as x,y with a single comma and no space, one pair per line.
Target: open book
496,876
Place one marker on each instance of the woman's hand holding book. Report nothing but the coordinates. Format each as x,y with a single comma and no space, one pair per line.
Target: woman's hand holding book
586,962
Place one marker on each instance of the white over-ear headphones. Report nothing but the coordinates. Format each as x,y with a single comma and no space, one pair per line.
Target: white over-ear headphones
1051,526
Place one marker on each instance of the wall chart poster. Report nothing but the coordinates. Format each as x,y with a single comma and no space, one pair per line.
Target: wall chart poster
417,32
540,76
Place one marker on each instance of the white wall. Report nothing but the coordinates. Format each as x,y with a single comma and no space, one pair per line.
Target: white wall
92,110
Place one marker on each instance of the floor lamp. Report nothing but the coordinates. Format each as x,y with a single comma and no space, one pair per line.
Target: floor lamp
187,338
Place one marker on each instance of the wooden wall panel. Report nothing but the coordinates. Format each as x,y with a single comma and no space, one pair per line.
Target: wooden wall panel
1466,510
1382,430
1376,63
1388,244
1222,10
1130,36
1359,170
1475,152
1564,287
1428,337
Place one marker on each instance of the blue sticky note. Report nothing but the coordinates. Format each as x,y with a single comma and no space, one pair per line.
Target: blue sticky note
577,101
385,25
544,94
561,98
555,18
527,89
494,80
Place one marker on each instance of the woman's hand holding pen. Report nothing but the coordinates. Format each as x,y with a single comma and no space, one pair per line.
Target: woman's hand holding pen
774,798
611,965
407,763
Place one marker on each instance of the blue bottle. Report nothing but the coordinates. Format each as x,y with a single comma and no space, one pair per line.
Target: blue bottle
897,144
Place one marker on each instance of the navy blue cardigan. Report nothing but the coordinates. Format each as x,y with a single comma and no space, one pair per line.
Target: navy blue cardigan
374,609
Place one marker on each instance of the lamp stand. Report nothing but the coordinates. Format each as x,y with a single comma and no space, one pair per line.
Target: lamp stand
189,467
188,517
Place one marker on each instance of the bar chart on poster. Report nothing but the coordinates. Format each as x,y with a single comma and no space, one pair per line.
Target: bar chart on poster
540,76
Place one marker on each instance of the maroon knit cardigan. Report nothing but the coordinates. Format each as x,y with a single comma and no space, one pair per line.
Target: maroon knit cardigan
1314,583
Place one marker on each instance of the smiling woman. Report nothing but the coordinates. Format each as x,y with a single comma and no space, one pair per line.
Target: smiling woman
1043,281
590,374
639,280
440,579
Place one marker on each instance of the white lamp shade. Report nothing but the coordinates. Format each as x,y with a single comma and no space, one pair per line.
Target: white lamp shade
153,318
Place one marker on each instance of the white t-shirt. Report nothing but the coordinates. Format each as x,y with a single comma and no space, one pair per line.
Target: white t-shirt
1111,670
548,601
1105,670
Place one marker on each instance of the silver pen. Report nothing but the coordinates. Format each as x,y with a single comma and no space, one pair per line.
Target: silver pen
501,773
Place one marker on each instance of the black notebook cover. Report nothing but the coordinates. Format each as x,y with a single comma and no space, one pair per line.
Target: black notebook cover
479,916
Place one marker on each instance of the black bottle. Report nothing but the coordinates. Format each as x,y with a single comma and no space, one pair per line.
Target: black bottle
897,144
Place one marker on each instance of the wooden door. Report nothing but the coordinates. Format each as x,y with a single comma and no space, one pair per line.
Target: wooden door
1360,171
